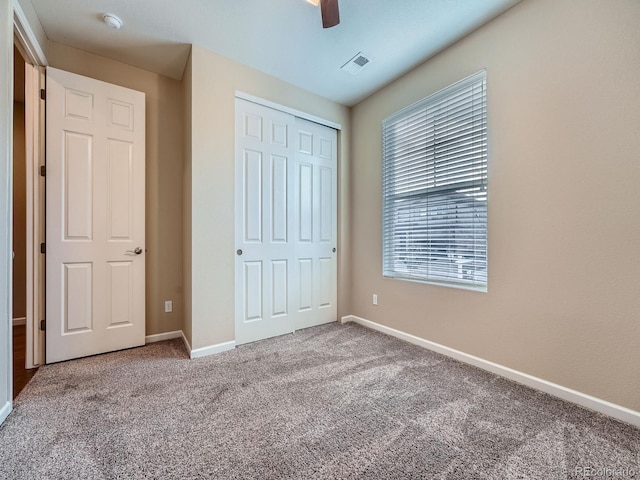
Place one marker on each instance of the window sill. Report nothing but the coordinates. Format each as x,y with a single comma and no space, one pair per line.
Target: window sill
459,286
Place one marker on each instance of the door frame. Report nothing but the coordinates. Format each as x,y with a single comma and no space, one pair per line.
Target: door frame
6,196
27,44
292,111
23,37
35,289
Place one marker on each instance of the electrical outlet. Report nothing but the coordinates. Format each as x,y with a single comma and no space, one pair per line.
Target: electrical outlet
168,306
375,299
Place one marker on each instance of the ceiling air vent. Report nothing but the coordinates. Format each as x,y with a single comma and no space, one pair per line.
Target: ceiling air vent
354,65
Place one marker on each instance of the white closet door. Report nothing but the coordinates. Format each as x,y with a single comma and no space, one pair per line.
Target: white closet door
264,222
286,228
316,224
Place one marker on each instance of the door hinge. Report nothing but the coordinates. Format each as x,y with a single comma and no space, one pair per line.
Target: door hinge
43,94
43,325
43,170
43,248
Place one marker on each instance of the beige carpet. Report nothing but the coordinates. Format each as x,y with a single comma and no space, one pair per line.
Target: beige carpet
331,402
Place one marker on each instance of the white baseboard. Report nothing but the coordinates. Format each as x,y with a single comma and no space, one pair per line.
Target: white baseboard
193,353
5,411
186,343
602,406
160,337
19,321
212,349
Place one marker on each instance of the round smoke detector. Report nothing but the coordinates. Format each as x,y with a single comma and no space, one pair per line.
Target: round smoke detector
112,21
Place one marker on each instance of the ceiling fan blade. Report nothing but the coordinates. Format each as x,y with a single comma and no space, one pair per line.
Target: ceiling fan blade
330,13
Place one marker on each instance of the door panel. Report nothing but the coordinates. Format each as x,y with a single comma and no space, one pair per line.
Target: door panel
316,160
305,205
78,186
120,293
325,205
120,188
306,284
253,291
279,200
95,217
325,282
78,104
280,287
252,184
264,219
78,311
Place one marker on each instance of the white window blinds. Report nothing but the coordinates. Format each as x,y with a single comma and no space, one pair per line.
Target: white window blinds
435,188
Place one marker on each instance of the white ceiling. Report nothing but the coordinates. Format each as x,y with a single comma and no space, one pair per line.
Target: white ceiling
283,38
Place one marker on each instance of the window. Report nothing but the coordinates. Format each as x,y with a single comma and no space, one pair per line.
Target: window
435,188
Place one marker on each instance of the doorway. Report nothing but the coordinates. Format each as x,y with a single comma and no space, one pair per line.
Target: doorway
23,351
117,155
21,374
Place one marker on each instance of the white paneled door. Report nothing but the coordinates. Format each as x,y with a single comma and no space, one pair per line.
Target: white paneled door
95,220
285,223
316,224
264,222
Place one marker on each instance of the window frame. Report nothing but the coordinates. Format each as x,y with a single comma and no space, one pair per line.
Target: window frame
448,191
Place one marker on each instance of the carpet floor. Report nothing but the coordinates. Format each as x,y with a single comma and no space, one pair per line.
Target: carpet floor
330,402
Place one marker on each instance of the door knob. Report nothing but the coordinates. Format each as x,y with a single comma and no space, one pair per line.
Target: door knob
334,250
239,252
137,251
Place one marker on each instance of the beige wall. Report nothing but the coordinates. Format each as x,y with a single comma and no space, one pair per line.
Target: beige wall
19,213
164,149
564,229
215,80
